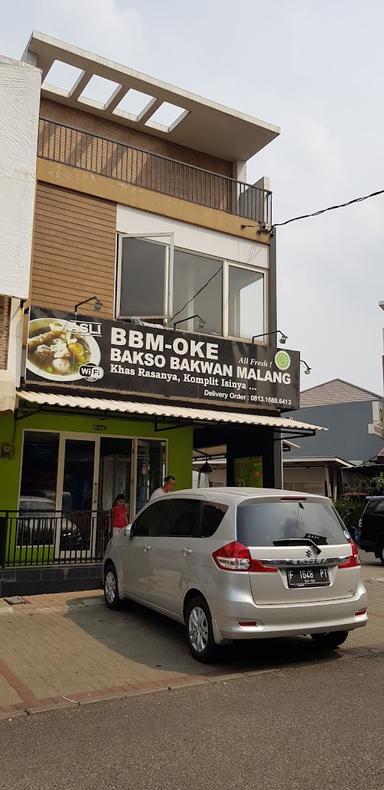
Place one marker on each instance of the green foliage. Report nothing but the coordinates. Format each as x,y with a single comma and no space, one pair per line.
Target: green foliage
375,486
350,509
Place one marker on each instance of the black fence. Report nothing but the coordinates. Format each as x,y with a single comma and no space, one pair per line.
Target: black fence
32,538
76,148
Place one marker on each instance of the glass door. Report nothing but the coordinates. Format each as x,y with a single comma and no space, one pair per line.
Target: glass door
77,496
150,469
116,472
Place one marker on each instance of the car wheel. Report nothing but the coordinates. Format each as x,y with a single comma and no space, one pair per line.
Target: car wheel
381,554
330,640
111,590
199,630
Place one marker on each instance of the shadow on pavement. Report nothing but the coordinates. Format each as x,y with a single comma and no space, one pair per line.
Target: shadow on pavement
150,639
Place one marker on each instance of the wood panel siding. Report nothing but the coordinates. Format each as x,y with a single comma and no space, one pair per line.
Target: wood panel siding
73,250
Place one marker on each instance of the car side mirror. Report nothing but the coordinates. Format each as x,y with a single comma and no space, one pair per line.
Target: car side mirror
128,531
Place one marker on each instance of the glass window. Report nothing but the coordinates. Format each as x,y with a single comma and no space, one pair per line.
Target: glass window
166,285
198,280
150,469
213,514
245,302
378,507
115,472
39,469
153,522
262,524
142,278
78,475
184,518
38,489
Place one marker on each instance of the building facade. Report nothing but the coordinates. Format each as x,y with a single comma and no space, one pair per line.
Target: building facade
355,435
150,324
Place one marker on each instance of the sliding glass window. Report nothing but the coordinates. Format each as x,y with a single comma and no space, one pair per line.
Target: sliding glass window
198,292
157,282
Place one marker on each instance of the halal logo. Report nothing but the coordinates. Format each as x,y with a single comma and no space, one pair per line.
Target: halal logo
282,360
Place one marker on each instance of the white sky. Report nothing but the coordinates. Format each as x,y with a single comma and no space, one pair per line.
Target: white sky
315,69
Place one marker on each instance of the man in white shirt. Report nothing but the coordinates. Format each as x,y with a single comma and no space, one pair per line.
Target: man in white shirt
167,488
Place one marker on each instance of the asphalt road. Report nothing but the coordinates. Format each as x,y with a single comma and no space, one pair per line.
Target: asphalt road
316,724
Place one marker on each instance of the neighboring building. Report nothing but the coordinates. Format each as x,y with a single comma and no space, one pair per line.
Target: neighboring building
151,223
19,107
355,435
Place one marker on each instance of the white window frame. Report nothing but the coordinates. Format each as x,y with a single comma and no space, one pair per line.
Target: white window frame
168,285
87,436
256,270
168,274
210,257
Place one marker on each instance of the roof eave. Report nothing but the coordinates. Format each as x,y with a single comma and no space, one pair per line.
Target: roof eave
208,126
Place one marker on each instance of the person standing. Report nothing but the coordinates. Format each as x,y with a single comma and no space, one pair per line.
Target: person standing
167,488
119,515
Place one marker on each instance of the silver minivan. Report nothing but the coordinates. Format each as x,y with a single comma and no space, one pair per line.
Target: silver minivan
240,563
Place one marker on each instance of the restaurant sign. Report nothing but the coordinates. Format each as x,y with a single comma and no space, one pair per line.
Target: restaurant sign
150,360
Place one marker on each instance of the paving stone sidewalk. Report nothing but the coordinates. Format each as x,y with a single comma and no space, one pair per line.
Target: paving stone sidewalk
67,649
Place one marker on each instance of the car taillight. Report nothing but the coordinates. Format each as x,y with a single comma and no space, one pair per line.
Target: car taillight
237,557
352,561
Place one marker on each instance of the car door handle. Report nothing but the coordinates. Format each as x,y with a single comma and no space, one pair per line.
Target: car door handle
186,551
146,547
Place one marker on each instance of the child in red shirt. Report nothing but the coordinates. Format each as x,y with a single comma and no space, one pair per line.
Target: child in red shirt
119,514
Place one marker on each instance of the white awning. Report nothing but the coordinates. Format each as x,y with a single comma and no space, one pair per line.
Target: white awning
162,410
200,124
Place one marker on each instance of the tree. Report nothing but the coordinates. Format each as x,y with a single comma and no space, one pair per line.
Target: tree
375,486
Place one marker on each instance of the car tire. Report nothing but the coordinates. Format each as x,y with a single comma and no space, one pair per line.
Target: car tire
381,554
198,622
111,588
331,640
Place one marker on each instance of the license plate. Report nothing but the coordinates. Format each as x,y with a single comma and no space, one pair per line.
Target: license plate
308,577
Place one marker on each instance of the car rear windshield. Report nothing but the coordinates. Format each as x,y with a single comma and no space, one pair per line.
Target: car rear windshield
375,506
261,524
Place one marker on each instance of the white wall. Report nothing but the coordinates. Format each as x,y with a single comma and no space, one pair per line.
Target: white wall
192,237
310,479
19,113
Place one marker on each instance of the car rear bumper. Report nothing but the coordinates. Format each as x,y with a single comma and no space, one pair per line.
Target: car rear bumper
290,619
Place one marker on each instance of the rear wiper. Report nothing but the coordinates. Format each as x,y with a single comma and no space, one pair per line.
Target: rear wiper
298,542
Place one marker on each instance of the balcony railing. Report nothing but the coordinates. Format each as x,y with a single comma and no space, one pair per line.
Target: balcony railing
34,537
105,157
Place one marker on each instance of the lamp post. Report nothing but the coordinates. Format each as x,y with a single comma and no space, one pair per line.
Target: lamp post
196,315
308,369
283,337
97,304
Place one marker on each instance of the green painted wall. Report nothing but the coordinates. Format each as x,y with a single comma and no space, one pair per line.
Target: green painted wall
180,442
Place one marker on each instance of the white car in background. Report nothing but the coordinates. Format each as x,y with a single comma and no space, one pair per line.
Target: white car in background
37,522
240,563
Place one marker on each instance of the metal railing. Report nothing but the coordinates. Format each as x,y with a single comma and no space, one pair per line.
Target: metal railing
105,157
32,538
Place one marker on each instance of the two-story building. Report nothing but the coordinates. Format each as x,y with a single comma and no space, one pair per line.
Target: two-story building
151,325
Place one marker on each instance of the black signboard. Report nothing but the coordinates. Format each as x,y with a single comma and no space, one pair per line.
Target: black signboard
149,360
